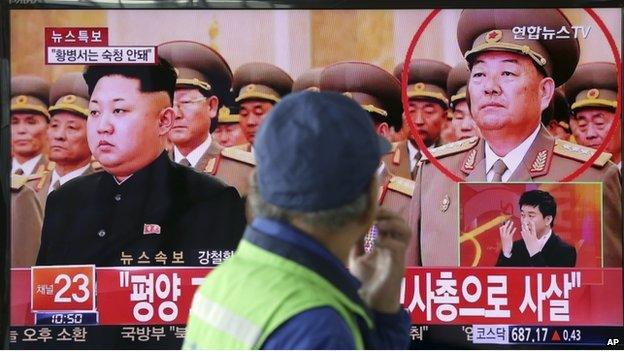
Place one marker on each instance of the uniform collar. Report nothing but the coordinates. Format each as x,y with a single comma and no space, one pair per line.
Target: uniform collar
66,178
28,167
513,159
413,153
193,156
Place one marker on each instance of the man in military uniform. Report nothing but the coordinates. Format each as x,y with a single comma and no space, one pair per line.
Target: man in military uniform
428,105
379,93
512,82
592,92
67,136
204,78
258,87
26,222
556,118
29,123
228,132
144,205
309,80
375,89
463,124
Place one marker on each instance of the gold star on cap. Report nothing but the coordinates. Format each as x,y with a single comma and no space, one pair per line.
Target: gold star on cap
22,99
250,87
419,86
493,36
69,99
593,94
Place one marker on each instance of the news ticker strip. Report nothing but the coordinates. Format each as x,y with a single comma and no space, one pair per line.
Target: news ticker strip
422,336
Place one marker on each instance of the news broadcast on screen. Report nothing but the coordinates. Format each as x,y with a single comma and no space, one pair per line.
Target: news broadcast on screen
331,174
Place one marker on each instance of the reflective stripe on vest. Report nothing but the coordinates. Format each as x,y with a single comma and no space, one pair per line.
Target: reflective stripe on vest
225,320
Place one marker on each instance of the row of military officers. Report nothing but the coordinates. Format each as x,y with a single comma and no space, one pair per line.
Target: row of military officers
506,114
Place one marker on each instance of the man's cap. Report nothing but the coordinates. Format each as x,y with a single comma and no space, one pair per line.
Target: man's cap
199,67
309,80
480,30
374,88
260,80
457,83
227,116
426,79
70,93
316,151
30,94
593,85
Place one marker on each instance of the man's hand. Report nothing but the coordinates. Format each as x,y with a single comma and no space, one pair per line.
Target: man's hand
507,232
529,236
382,269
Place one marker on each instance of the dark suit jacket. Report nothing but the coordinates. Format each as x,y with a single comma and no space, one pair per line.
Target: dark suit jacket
556,253
92,219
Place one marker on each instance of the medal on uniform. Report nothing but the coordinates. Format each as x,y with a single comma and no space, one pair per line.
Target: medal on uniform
446,202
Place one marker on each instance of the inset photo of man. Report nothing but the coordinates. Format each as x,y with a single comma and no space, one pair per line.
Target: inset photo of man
531,225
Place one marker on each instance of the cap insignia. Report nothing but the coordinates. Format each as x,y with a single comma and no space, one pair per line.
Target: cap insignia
493,36
69,99
250,87
593,94
419,86
22,99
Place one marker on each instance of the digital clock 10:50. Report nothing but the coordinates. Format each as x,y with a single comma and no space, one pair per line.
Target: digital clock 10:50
67,318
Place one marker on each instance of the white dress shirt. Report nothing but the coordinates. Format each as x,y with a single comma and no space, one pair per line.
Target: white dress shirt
193,156
413,153
512,159
28,167
66,178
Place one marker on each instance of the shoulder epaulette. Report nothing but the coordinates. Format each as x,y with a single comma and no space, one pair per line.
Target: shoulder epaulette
239,155
579,152
452,148
243,147
35,176
402,185
42,181
18,181
210,166
395,145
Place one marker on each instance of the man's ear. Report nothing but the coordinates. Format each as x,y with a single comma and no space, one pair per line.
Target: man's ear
548,220
213,106
165,120
383,129
546,91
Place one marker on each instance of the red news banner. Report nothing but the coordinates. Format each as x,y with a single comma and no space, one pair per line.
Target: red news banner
156,296
76,36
